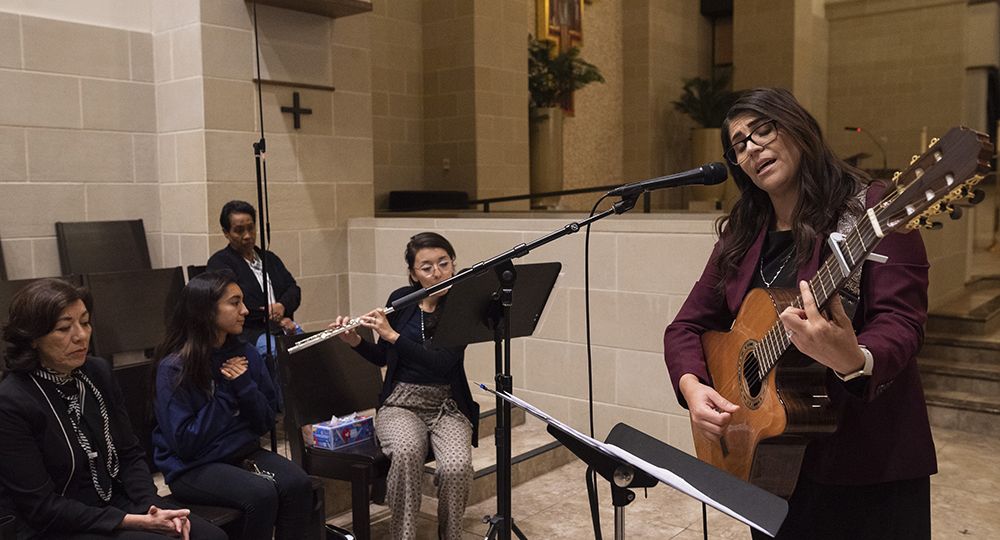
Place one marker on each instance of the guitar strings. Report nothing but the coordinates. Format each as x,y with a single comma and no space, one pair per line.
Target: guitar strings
776,341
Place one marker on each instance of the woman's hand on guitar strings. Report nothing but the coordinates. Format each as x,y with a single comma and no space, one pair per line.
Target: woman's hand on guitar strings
830,342
710,412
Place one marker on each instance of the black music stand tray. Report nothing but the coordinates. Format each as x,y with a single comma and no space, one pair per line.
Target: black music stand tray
712,486
488,307
472,313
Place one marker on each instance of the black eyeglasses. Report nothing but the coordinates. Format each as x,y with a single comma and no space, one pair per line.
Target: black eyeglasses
761,135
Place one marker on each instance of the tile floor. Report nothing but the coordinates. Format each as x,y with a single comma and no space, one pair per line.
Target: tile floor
965,501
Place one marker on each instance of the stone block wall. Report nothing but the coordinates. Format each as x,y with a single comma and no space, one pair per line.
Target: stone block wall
638,283
398,87
78,135
158,124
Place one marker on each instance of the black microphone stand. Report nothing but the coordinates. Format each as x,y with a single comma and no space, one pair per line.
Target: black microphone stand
263,217
502,523
874,140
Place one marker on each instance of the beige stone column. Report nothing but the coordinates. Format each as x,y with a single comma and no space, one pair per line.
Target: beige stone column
782,43
475,97
398,102
319,176
664,43
501,98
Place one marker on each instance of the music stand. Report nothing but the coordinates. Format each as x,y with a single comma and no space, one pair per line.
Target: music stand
633,459
469,315
483,308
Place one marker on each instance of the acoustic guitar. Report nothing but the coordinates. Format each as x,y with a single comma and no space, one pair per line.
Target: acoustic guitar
781,392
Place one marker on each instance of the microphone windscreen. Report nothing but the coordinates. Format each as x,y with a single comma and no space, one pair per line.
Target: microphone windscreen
715,173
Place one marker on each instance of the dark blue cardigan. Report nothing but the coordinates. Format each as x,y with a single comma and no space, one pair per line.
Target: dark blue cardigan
450,360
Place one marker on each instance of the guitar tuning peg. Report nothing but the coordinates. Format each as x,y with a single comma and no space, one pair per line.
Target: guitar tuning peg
914,159
977,196
955,213
925,223
933,142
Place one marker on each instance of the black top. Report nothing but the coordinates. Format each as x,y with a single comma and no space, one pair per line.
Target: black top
418,372
777,262
286,291
447,363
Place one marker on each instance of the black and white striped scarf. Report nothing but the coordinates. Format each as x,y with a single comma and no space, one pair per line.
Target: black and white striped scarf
74,404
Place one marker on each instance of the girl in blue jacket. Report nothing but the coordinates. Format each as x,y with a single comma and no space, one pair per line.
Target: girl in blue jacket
214,399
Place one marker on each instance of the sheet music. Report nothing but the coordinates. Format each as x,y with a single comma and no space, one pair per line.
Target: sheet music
661,474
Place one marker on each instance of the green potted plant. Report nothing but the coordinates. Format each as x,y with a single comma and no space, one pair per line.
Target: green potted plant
552,78
706,102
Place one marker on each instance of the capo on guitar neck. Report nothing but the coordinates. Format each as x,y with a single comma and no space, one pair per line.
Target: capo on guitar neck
835,240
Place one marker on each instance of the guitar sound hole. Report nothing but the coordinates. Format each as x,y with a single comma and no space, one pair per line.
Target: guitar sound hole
751,371
752,385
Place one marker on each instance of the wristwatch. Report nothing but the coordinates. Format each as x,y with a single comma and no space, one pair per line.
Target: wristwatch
865,370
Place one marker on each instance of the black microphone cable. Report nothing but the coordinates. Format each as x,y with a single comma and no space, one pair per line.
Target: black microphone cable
590,357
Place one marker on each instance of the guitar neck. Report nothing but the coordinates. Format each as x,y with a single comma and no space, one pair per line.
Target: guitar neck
830,278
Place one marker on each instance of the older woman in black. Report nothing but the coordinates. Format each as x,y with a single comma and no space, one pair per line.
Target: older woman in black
69,461
425,393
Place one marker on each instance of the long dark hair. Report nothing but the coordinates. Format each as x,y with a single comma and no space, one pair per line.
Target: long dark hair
417,242
826,183
192,329
34,311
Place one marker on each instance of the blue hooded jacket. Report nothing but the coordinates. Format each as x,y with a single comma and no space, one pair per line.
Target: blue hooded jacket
195,427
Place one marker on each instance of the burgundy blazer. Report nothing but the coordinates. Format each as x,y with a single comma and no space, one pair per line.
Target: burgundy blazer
882,429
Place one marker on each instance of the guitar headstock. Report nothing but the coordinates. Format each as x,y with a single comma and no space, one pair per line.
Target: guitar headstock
937,180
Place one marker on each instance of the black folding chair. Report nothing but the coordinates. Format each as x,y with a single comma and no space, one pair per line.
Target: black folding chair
3,265
321,381
102,246
195,269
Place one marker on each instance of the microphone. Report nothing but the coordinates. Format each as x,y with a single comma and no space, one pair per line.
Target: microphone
706,175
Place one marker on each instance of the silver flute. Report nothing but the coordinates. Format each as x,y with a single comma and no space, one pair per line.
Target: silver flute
331,333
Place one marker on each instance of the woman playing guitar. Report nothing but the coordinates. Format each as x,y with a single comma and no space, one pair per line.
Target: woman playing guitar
869,477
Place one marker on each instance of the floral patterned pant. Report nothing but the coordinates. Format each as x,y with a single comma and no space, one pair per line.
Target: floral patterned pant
402,425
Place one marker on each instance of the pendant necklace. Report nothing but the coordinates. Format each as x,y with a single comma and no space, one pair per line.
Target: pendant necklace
767,283
422,337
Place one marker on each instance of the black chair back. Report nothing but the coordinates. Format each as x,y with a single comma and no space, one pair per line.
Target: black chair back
102,246
3,266
130,314
195,269
131,308
324,380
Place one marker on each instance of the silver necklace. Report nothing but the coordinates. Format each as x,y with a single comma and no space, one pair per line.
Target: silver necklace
422,337
767,283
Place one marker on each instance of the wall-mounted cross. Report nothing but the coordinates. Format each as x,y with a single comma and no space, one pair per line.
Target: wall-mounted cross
296,111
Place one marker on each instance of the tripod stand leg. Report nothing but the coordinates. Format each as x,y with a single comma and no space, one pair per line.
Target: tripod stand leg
619,523
496,525
494,529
